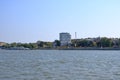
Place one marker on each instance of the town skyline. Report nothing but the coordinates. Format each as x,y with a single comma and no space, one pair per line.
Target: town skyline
71,38
32,20
65,42
74,37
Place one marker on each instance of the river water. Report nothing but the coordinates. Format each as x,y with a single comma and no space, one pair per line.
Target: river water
59,65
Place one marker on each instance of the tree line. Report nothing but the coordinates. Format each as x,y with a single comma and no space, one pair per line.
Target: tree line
93,42
37,45
96,42
86,42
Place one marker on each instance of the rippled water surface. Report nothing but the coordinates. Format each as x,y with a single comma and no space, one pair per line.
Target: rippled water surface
59,65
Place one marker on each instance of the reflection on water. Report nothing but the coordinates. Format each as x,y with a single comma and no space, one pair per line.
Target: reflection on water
59,65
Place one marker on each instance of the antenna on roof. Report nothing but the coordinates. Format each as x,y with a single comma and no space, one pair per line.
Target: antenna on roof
75,38
75,35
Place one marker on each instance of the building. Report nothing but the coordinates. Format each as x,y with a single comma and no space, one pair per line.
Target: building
2,43
65,39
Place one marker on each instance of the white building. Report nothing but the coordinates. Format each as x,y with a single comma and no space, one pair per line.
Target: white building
65,39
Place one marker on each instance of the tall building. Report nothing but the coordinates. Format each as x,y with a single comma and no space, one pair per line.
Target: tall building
65,39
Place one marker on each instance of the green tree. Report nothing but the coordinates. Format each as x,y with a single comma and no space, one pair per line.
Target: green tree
40,44
83,43
13,44
90,44
57,43
105,42
49,44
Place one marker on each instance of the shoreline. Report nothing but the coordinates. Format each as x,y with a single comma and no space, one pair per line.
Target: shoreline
90,49
73,48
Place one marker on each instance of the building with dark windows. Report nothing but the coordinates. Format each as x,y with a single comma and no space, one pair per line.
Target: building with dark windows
65,39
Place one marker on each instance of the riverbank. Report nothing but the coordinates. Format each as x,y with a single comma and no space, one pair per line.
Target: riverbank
90,48
69,48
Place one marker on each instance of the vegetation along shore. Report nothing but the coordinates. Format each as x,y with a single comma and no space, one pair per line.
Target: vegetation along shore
99,43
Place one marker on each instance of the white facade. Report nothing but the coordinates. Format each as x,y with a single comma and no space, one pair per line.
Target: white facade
65,39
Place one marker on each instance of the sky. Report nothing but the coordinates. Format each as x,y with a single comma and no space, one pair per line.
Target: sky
33,20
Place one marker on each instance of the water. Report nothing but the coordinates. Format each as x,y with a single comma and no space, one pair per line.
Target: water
59,65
